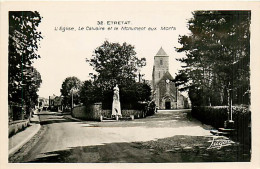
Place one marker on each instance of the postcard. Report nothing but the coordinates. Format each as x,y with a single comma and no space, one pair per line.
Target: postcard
112,84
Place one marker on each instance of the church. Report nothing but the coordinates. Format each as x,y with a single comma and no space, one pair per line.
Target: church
165,93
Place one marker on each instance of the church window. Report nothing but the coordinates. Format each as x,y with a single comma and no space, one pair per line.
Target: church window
161,62
159,75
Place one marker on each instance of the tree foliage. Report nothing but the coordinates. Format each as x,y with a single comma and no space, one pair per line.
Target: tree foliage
32,82
115,64
217,56
23,79
70,85
89,93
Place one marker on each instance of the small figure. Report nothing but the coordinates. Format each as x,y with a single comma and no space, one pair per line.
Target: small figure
116,106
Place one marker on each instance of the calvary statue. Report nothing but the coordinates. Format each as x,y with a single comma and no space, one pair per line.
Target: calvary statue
116,107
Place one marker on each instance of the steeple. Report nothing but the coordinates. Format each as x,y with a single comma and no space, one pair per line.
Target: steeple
161,52
161,65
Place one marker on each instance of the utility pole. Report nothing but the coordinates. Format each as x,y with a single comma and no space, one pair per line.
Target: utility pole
176,97
72,91
72,101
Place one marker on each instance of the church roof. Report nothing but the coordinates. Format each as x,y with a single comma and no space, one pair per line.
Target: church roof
161,52
166,75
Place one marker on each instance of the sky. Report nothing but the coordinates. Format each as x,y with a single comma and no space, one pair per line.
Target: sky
64,53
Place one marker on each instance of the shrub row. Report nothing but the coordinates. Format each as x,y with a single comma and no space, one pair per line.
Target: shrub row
215,116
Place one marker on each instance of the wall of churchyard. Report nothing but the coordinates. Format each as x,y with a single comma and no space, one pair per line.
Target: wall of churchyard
125,113
93,112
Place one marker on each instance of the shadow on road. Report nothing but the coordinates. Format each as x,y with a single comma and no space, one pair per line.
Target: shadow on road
173,149
50,119
55,121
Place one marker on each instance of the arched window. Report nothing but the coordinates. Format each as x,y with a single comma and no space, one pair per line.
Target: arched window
161,62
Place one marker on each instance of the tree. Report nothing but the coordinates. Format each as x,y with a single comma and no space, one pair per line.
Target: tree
131,95
217,55
70,86
89,93
22,50
115,64
32,81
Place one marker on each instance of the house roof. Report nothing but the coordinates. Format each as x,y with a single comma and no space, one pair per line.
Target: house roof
161,52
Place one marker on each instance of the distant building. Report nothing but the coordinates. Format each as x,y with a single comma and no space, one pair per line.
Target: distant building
43,104
165,93
51,102
55,103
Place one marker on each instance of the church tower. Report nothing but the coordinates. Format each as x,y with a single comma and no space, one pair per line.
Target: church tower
161,66
165,93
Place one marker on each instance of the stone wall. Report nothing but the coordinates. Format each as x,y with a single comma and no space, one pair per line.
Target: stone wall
80,112
16,126
125,113
106,113
94,111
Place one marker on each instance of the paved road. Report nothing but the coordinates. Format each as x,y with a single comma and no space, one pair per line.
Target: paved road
168,136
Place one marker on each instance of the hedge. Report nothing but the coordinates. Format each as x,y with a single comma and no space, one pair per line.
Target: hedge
216,115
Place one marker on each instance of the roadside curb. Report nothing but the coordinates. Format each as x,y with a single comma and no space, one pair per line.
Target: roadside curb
22,143
72,118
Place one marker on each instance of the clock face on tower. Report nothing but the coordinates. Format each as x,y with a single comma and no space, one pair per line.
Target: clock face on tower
167,81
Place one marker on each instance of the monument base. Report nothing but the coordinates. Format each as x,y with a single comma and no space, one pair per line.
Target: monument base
229,124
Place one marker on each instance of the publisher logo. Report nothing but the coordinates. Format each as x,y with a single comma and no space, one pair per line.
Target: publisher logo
219,142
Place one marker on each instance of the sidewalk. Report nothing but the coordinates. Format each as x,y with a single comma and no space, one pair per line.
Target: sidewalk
21,138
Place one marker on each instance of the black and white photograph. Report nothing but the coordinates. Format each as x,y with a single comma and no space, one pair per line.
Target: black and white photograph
129,82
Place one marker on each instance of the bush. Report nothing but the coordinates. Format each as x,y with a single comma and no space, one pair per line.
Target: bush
130,96
242,118
215,116
150,108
